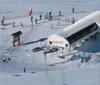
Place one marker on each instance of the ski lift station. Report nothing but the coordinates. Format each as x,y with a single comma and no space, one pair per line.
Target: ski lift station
73,36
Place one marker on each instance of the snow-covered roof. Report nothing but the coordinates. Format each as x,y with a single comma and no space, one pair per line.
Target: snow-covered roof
82,23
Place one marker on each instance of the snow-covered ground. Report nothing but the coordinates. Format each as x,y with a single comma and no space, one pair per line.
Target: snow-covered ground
79,76
55,70
20,7
22,56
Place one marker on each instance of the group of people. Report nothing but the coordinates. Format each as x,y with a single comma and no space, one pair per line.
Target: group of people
48,16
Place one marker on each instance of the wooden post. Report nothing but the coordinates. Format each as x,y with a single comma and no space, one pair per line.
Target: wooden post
32,23
66,19
13,41
73,20
40,16
24,70
18,40
21,24
60,13
51,26
73,10
13,24
58,22
31,20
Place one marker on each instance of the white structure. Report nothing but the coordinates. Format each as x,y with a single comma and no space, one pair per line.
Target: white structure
74,35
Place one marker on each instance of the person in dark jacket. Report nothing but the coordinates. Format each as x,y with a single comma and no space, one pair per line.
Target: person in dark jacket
40,16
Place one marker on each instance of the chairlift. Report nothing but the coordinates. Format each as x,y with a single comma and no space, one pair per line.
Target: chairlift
37,49
6,59
51,50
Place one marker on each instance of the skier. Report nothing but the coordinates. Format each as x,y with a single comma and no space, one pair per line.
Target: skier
35,21
2,22
24,70
73,10
31,20
50,15
73,20
40,16
59,13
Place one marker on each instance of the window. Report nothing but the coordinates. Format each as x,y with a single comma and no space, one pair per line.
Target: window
82,33
50,42
66,45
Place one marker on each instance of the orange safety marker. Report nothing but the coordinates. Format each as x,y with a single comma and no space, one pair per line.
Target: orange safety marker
30,12
3,18
32,23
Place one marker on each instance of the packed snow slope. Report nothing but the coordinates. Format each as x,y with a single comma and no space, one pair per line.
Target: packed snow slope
77,76
22,56
27,67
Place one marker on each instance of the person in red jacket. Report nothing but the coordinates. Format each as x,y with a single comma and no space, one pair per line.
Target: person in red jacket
30,12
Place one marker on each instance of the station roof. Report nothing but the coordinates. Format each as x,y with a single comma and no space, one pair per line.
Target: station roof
17,33
79,25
